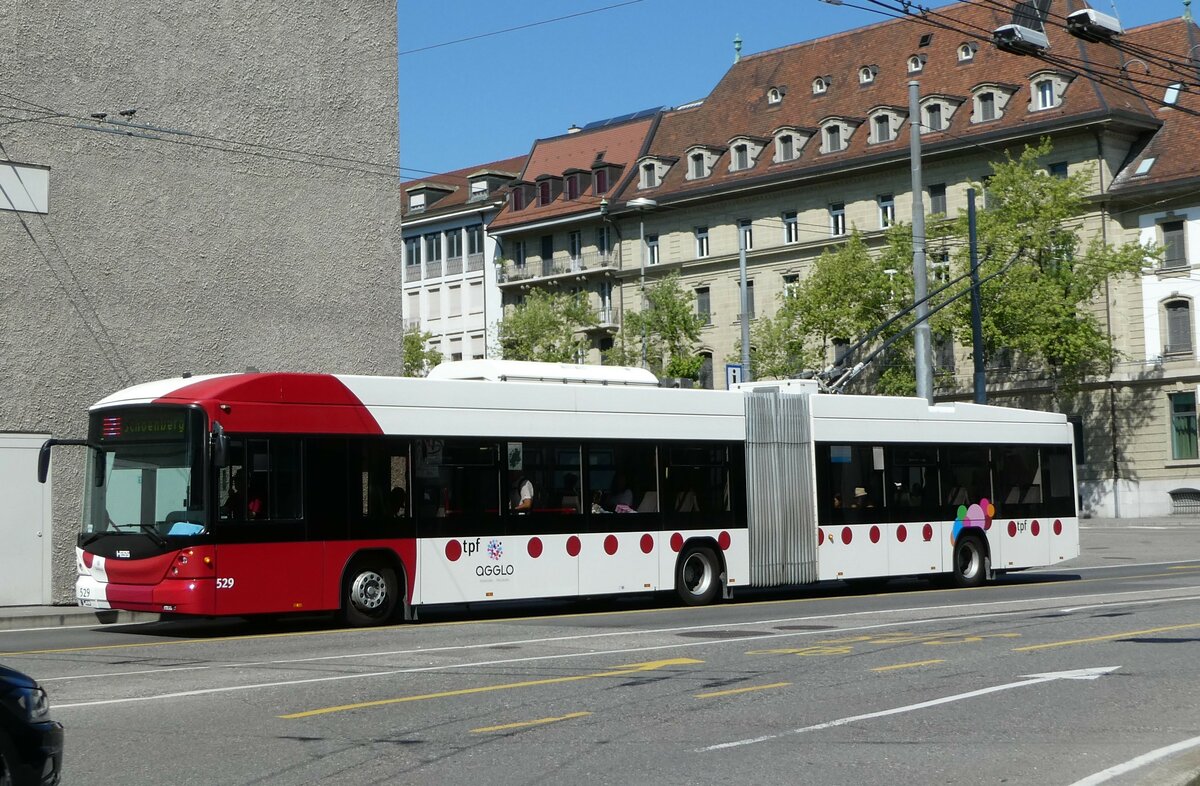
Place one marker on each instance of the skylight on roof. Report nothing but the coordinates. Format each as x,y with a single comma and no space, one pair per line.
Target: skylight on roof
1172,94
926,39
1144,167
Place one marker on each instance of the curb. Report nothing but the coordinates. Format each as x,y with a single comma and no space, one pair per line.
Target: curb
71,616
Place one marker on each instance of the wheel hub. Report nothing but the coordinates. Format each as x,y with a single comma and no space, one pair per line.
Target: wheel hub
369,591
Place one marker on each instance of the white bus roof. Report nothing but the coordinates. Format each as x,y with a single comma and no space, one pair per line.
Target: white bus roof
525,371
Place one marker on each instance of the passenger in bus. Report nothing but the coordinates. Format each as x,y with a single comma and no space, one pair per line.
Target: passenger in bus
685,498
521,497
570,497
596,506
862,499
621,493
398,502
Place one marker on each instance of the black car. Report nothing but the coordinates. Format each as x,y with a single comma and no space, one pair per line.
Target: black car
31,744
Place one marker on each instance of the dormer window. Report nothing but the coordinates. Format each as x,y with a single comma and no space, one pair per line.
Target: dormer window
789,142
990,101
416,202
572,183
820,86
936,112
479,190
916,64
601,181
649,175
1047,89
700,161
966,52
835,135
787,149
774,95
885,123
518,198
866,74
933,117
741,157
651,171
697,168
544,193
744,152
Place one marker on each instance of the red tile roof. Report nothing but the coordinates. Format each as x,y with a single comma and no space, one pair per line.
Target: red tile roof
738,105
459,182
618,144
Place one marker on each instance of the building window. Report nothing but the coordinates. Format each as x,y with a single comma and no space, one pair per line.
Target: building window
966,53
987,106
915,64
704,304
573,187
837,219
1058,169
774,96
575,245
747,230
601,181
547,242
883,128
933,117
649,175
701,242
833,139
519,253
943,352
1179,327
412,251
786,147
416,202
819,86
454,244
741,157
479,190
651,249
706,370
866,75
1045,94
454,301
1174,245
518,199
544,192
602,247
887,210
937,199
791,227
749,298
475,239
435,304
433,247
1183,426
699,170
791,284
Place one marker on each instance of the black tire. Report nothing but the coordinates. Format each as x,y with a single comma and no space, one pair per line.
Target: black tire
369,593
970,562
698,576
8,758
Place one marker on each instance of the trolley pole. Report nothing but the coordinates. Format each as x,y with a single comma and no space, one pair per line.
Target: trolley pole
921,334
976,313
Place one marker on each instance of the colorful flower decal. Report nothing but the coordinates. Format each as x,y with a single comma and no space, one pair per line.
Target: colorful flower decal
495,549
977,515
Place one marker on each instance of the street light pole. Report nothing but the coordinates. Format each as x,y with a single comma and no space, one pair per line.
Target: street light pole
922,334
745,319
643,204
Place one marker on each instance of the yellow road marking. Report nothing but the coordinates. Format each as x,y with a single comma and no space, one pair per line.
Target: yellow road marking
742,690
1185,567
804,651
1109,637
524,724
621,671
908,665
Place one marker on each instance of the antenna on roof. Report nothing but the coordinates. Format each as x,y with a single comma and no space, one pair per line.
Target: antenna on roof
737,47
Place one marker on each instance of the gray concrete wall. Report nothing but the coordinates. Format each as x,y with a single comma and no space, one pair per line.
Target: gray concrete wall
189,253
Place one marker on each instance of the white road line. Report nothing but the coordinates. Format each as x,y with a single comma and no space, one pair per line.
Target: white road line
1146,758
78,627
1073,609
1048,605
1033,680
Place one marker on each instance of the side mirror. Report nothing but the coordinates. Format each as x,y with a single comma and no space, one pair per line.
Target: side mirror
44,456
220,445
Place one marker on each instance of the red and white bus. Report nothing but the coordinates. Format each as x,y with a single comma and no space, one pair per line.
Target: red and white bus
268,493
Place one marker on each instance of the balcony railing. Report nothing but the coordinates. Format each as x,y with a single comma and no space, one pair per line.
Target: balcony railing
474,262
454,266
433,268
558,266
412,323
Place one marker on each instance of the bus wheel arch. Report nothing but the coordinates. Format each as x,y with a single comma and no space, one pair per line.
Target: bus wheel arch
373,585
700,572
970,560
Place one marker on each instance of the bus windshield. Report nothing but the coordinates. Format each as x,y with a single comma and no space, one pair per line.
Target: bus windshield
146,472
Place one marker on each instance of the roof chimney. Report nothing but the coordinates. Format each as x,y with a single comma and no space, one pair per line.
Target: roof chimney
737,47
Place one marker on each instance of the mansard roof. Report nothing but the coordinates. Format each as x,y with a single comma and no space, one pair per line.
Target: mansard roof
458,184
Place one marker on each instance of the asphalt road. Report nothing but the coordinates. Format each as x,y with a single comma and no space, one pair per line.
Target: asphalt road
1043,678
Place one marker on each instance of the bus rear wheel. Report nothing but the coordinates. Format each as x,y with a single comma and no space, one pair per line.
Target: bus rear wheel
969,562
698,576
369,595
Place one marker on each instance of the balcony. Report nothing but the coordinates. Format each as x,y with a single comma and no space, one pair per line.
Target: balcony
474,262
433,268
454,266
412,323
585,264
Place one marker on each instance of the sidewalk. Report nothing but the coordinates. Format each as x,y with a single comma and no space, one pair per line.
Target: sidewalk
20,617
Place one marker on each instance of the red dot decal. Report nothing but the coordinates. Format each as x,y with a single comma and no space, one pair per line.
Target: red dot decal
453,550
820,537
1012,529
676,542
647,544
723,540
535,547
927,532
1035,528
1057,527
610,545
987,524
573,545
874,534
901,533
847,535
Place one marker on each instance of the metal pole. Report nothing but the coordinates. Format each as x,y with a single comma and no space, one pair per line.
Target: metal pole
921,335
745,316
642,234
976,313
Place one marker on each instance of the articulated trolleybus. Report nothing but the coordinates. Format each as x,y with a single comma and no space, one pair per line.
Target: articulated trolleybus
270,493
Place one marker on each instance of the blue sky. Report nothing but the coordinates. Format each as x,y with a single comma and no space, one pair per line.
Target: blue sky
486,99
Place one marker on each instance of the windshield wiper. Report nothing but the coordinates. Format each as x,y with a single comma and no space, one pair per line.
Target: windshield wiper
147,528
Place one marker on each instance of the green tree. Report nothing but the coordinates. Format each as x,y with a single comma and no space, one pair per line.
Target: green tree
417,356
668,330
547,327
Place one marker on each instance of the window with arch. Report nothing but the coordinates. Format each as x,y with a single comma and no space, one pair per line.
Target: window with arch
966,53
866,75
774,95
820,85
833,138
706,370
1046,98
915,64
1177,316
881,125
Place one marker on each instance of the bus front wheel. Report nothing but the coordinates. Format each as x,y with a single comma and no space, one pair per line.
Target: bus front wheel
969,562
369,595
698,576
